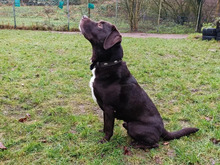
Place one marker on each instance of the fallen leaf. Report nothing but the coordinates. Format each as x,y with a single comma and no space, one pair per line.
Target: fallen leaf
215,141
208,118
166,143
28,115
2,147
157,160
127,151
73,131
24,119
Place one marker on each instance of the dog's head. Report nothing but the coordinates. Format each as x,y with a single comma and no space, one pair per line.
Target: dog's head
102,35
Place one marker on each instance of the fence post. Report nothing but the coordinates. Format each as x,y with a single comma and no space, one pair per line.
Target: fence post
14,13
68,14
116,12
88,9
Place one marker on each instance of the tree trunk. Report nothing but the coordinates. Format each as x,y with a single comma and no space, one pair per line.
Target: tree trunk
218,9
199,25
133,9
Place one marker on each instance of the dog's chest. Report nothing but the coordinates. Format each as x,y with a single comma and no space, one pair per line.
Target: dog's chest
91,84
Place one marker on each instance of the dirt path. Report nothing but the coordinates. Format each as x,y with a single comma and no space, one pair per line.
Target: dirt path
143,35
152,35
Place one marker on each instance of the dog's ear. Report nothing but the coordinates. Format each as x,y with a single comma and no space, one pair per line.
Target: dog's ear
113,38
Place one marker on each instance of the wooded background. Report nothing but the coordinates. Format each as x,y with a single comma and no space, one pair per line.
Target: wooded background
164,16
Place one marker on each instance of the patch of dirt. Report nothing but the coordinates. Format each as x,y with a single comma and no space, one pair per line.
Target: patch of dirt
141,35
184,123
152,35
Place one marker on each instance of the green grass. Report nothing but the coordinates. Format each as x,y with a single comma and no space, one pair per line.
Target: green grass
47,74
172,28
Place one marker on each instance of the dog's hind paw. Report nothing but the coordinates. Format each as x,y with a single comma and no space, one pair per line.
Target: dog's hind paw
138,145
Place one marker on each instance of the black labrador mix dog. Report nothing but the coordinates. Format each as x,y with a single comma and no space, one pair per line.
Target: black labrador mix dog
117,92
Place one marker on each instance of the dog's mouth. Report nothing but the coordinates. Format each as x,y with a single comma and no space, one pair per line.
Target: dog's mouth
82,22
86,27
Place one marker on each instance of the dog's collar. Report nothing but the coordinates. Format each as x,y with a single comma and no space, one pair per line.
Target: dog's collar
104,64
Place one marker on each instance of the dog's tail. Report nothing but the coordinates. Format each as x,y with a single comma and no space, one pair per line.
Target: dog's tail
178,134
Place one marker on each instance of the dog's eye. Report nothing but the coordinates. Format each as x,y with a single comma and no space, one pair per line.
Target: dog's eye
100,25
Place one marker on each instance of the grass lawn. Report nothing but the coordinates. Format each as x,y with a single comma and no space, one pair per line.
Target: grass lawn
46,75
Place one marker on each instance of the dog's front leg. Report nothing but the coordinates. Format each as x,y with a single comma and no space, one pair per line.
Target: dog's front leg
108,123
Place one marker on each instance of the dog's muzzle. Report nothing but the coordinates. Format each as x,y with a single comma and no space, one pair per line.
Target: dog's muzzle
83,17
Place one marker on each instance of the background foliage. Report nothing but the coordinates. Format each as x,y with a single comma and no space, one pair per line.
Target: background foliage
45,15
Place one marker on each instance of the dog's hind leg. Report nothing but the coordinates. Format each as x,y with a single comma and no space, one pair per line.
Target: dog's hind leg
145,136
139,145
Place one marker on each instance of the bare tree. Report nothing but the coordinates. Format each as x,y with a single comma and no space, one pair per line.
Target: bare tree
133,9
218,9
199,15
177,9
218,15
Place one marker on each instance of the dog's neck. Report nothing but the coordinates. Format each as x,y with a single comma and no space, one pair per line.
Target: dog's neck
115,53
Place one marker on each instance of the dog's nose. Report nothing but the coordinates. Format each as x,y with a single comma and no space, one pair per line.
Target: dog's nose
84,17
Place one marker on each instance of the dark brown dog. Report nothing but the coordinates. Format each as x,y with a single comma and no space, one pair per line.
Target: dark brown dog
117,92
